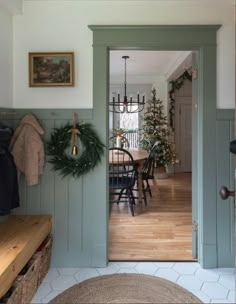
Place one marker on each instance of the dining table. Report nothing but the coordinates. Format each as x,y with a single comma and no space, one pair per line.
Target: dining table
139,157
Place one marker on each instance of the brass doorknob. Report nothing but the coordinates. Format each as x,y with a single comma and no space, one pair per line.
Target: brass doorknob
225,193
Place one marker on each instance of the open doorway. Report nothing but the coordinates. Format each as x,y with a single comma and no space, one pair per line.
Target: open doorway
162,230
201,39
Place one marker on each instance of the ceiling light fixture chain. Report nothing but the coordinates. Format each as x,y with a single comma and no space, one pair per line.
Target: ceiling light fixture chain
126,105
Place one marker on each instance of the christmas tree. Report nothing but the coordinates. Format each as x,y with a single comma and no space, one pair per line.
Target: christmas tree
155,129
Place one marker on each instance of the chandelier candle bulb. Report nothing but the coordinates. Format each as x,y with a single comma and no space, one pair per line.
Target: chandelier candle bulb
118,142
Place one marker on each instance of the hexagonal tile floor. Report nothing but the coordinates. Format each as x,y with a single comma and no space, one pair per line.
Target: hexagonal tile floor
210,286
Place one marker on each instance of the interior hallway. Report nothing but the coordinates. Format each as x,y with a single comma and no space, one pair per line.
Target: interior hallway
162,231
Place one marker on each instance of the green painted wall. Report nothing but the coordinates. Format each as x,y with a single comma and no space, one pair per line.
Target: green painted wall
72,202
225,176
79,207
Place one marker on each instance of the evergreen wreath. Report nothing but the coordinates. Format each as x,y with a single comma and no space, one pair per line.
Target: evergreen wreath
93,149
176,85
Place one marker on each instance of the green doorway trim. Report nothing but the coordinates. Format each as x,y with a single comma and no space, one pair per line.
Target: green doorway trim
199,38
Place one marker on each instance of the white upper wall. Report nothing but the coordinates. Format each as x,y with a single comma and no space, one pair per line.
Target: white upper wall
226,67
12,6
161,86
63,26
6,78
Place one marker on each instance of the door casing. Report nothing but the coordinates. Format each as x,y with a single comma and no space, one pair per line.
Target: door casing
196,38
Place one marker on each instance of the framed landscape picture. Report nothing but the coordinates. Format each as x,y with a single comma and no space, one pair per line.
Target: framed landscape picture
51,69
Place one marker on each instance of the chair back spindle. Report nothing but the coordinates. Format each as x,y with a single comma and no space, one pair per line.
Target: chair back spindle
122,176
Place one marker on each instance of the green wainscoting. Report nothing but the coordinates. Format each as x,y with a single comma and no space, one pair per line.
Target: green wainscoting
71,202
225,176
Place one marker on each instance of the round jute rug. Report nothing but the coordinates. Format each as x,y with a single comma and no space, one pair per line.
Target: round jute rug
125,288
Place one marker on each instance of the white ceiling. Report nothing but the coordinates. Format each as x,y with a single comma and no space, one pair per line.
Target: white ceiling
147,65
15,6
196,1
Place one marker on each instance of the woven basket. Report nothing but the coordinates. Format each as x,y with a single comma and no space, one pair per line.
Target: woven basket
45,249
30,278
26,283
14,294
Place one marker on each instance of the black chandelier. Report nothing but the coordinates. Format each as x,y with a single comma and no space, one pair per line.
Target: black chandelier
126,105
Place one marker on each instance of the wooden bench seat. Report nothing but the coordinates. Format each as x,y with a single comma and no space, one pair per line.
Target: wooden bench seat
20,236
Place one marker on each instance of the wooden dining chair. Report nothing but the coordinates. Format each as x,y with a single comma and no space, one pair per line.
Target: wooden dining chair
122,177
148,172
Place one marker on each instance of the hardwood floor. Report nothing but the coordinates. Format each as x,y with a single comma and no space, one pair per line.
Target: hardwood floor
159,232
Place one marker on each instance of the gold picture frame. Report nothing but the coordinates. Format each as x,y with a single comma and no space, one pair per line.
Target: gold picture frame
51,69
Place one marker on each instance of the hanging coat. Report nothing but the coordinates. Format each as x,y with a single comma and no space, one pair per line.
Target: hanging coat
27,149
9,195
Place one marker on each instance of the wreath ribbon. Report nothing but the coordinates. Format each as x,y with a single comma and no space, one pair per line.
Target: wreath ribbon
74,133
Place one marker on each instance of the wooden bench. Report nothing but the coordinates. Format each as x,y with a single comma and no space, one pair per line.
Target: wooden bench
20,237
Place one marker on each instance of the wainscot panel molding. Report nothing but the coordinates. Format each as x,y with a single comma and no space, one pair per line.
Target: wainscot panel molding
71,201
68,200
225,176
